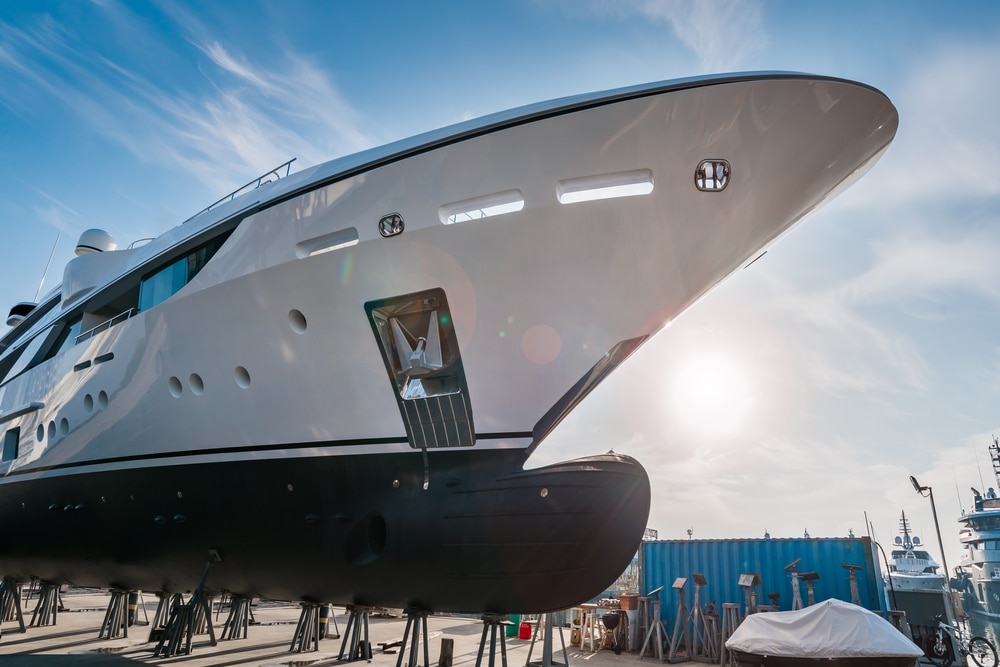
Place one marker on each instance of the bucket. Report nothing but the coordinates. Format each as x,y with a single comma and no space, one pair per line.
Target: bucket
525,632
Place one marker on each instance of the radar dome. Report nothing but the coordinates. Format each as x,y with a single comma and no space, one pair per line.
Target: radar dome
95,240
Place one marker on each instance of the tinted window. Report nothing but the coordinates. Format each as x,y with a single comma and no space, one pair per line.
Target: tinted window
166,282
10,440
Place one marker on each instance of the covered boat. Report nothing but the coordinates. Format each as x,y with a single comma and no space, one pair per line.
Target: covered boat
832,632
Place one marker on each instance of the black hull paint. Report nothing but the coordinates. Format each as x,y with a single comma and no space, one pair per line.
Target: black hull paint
485,535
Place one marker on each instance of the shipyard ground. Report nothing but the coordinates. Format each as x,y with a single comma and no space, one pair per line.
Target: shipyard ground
74,641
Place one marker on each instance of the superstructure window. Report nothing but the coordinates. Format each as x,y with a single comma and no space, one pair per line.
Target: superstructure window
10,441
167,281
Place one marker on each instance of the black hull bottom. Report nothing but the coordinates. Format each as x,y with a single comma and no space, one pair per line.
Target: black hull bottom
484,536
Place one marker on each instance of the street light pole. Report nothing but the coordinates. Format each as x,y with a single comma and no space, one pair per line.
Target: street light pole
944,559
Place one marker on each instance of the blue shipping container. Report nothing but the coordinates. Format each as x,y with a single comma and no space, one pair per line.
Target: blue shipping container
722,562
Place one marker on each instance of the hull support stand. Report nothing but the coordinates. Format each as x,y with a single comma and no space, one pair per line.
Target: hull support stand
47,609
656,635
493,625
307,632
10,602
186,618
547,648
116,618
416,620
356,645
164,608
238,621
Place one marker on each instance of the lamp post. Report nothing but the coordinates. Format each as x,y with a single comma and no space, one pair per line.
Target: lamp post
947,573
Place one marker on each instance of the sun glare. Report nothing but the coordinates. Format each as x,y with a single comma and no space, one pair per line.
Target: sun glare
711,395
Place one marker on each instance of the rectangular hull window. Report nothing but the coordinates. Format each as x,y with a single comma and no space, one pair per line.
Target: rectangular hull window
10,442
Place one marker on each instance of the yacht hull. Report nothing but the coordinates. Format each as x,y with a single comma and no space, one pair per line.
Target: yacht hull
483,536
433,307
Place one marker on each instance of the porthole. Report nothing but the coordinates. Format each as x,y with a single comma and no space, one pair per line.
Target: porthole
52,430
88,403
102,399
196,383
242,376
64,426
297,321
175,387
40,432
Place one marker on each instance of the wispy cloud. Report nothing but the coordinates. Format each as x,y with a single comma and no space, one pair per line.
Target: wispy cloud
944,149
919,266
242,117
723,35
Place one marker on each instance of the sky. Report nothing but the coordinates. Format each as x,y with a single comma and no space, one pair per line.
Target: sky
797,396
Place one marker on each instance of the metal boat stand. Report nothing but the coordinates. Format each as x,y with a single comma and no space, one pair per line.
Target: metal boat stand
238,621
681,637
493,624
702,635
325,614
10,602
547,660
47,608
307,631
853,569
116,618
163,610
187,618
730,621
356,645
416,619
655,626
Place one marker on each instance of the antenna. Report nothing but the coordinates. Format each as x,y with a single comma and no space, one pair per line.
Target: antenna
47,264
955,477
982,484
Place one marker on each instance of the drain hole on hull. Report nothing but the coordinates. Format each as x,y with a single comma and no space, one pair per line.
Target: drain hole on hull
366,540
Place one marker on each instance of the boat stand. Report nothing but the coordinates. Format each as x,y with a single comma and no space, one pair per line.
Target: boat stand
356,645
853,569
238,621
187,619
810,579
681,636
493,624
416,620
656,632
10,602
164,608
702,637
116,618
547,659
325,614
47,608
730,621
307,631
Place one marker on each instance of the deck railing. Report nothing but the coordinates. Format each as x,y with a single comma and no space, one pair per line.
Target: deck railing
256,183
107,324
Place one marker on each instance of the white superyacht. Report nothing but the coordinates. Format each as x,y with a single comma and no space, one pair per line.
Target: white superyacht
330,383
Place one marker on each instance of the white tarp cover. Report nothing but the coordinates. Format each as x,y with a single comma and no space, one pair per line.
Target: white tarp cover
828,629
